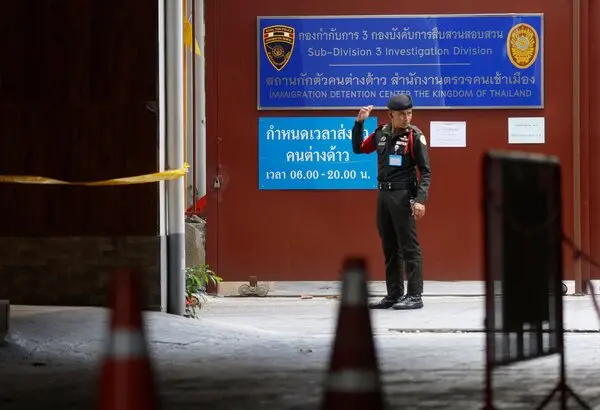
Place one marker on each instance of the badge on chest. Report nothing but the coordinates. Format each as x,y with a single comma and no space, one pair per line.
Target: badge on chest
395,160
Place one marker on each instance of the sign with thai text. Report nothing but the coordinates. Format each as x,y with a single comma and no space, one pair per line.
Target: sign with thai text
313,153
443,61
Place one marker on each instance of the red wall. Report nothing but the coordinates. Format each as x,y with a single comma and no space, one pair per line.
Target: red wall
279,235
591,105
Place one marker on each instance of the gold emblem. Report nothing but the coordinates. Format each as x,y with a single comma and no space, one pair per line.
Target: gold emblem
278,42
522,45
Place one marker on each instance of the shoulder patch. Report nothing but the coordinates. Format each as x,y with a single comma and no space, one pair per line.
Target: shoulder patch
422,139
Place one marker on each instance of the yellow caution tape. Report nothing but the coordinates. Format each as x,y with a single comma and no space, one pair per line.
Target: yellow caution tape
187,36
140,179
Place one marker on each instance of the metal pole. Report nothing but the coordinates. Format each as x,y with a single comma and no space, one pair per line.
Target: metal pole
577,142
175,154
194,152
200,111
162,154
185,103
584,138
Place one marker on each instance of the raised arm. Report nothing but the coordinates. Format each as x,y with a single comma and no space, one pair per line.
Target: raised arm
358,145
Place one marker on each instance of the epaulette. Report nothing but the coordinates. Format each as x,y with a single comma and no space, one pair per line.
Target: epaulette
416,129
382,126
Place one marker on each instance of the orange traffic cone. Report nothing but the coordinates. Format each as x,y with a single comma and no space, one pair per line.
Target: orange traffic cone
126,380
353,381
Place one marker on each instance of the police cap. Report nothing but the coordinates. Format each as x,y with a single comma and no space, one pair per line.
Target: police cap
400,102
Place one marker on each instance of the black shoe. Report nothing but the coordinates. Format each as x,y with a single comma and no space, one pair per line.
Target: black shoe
409,302
385,303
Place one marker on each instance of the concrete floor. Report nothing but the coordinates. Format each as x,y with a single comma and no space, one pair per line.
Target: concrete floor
271,353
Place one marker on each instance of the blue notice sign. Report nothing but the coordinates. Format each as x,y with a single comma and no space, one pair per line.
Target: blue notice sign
443,61
313,153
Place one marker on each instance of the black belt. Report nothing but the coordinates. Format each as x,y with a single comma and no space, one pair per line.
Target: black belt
393,186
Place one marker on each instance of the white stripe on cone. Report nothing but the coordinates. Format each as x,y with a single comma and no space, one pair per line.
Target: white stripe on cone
127,344
353,381
354,292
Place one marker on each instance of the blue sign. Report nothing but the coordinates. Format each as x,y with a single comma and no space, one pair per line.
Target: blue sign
443,61
313,153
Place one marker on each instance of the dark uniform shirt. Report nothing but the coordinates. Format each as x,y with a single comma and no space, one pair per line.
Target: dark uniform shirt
410,145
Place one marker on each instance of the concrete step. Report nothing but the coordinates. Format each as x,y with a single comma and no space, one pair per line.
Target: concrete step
376,288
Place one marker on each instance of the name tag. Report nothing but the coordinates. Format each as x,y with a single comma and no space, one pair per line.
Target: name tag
395,160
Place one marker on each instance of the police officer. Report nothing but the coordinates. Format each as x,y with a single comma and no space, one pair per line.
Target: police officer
401,149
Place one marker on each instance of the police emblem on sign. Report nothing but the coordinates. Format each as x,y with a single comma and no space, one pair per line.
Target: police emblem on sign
278,42
522,45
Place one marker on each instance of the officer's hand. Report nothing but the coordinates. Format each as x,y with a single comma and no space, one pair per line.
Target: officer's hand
418,210
364,113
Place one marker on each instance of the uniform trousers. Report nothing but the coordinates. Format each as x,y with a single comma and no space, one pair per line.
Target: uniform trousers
398,232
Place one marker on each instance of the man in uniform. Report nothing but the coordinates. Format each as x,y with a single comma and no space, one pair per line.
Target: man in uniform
401,149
